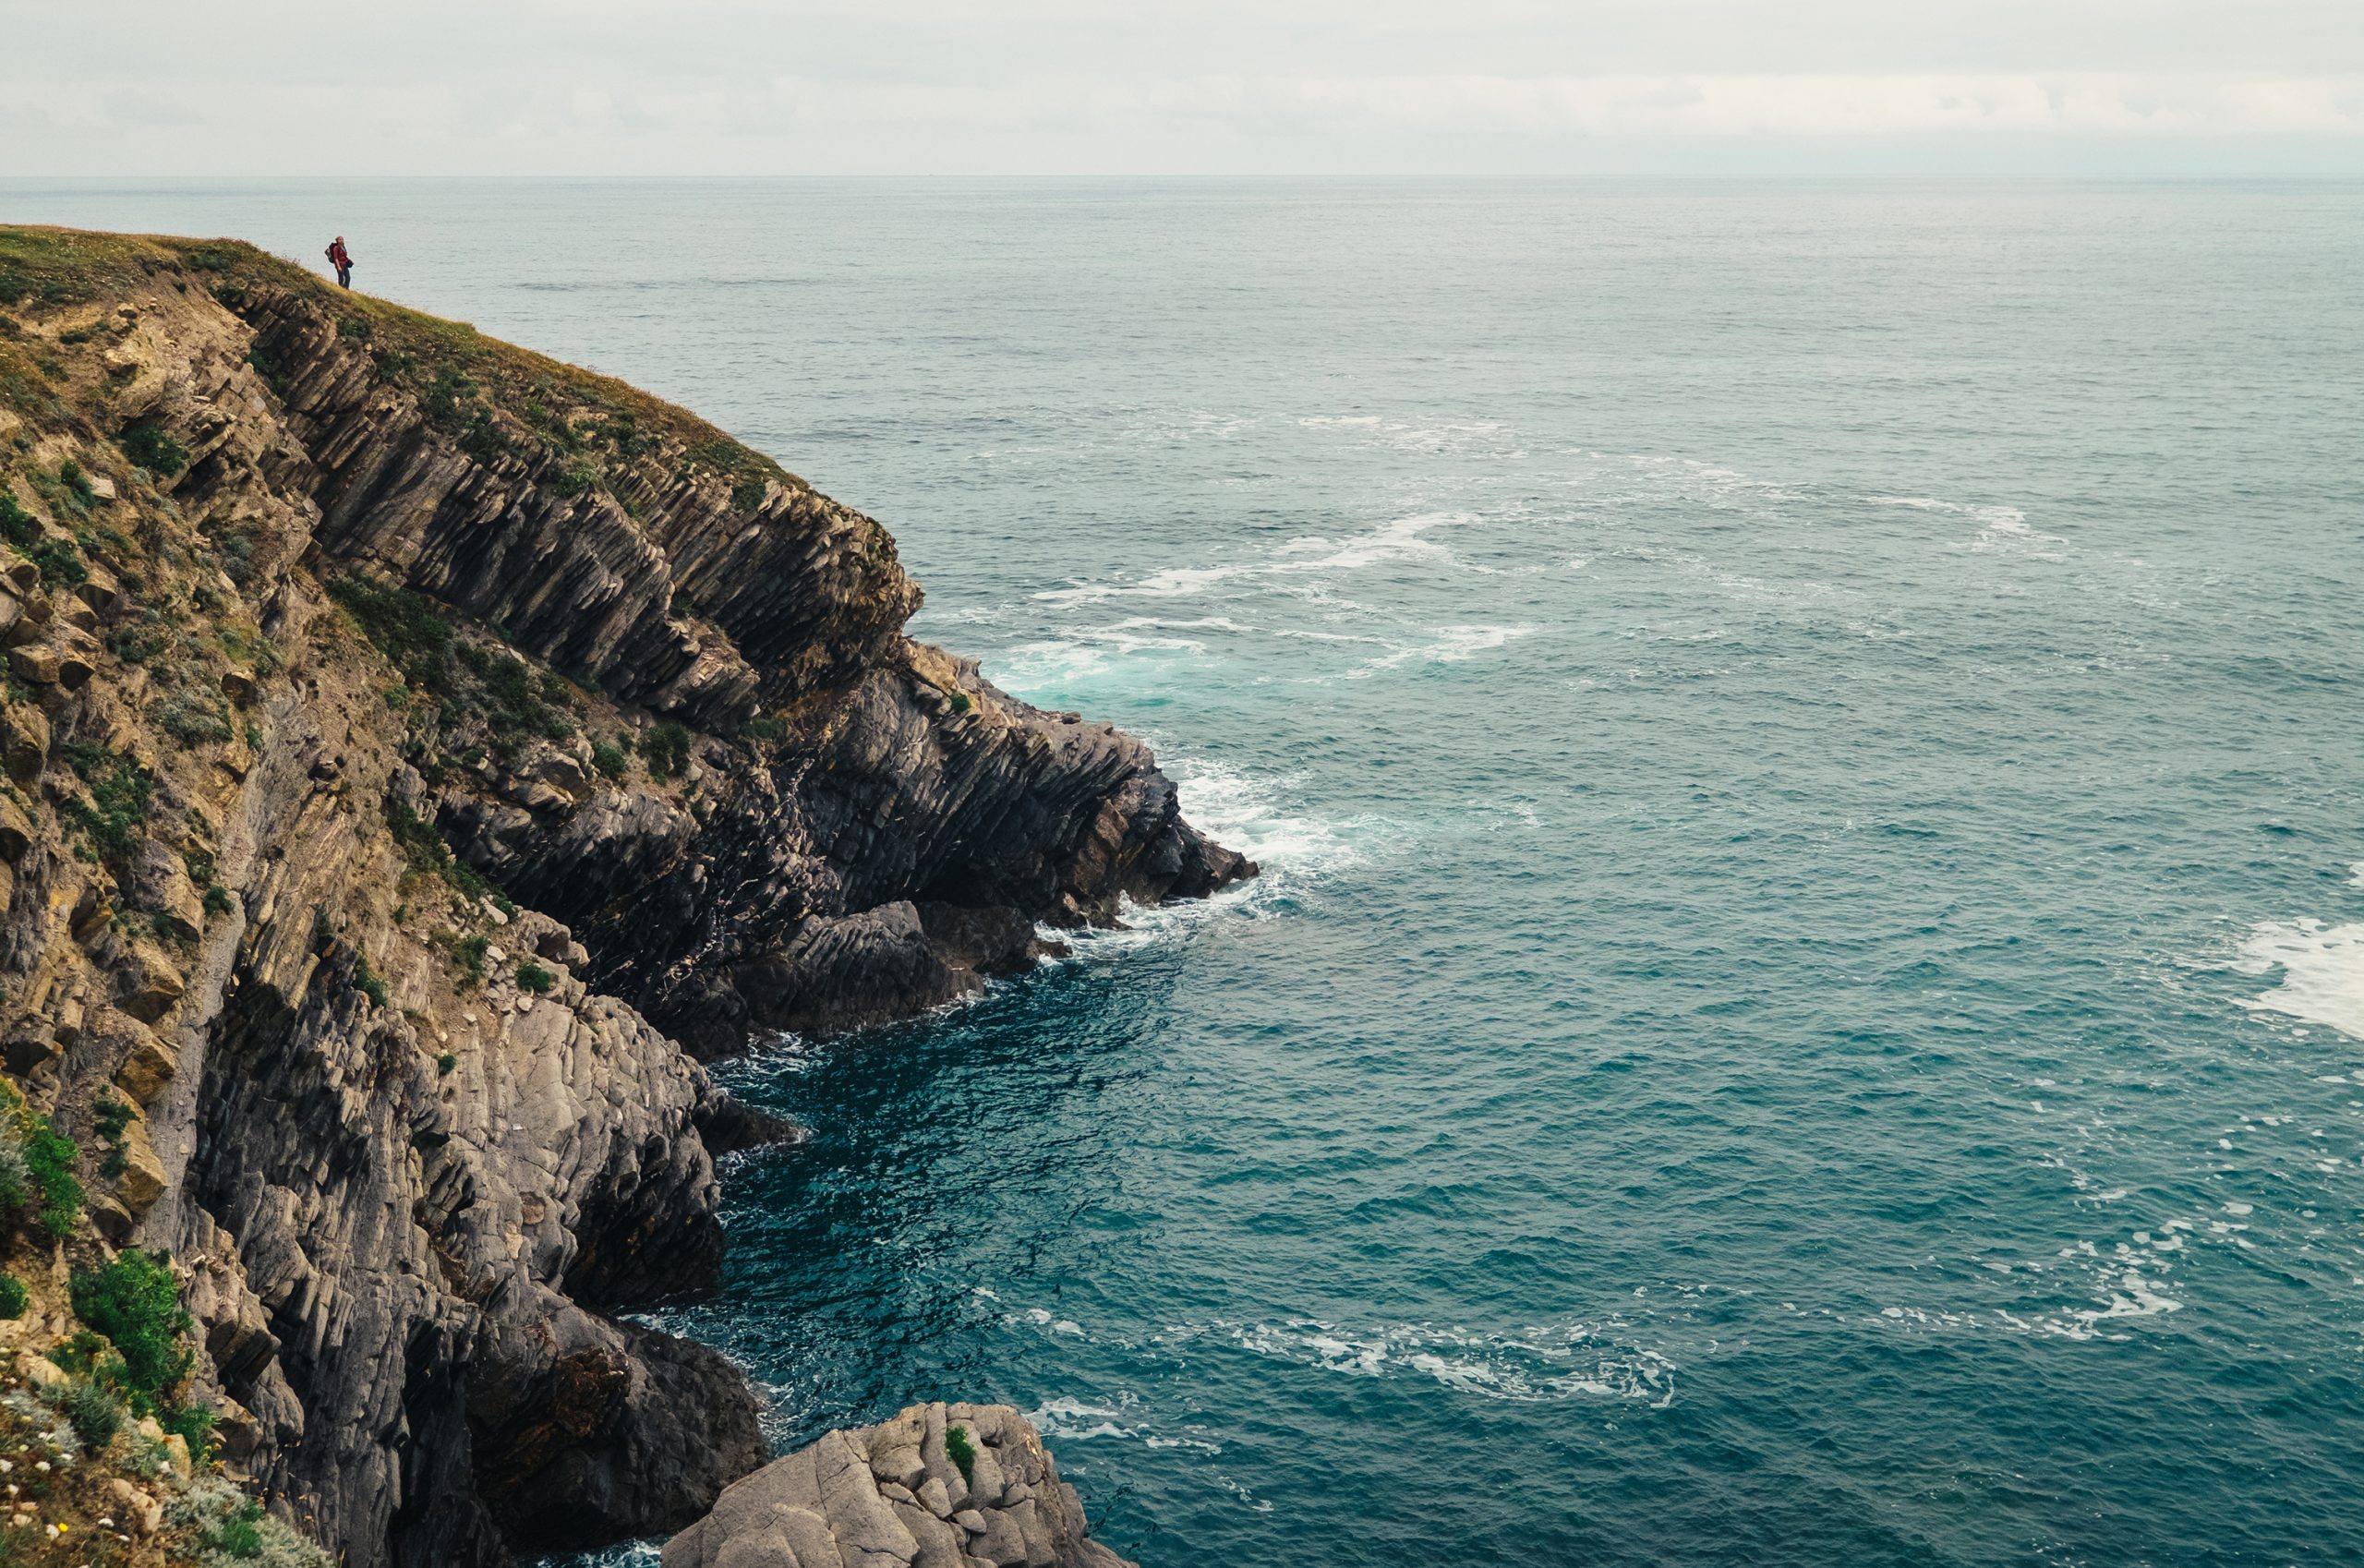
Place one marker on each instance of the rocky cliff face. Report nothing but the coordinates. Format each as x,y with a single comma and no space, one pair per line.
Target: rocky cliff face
412,745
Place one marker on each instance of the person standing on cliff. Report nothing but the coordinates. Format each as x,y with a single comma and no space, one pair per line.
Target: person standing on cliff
341,260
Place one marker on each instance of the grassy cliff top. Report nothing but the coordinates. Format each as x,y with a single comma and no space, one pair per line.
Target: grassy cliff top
52,277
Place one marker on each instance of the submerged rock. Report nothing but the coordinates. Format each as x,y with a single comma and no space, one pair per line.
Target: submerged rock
939,1486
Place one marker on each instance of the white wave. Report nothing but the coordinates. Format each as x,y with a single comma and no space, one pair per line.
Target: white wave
1067,1418
1402,539
1295,853
2003,528
1541,1366
2356,874
2322,971
1454,645
1450,435
1033,666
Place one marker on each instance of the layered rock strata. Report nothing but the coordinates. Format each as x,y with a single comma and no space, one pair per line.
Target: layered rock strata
411,745
939,1486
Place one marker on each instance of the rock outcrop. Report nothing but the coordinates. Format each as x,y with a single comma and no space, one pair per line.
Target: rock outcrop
939,1486
412,745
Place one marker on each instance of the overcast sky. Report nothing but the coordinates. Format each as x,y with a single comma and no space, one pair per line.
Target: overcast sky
1217,87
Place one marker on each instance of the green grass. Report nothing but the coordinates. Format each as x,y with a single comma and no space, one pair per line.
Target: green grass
963,1452
533,977
14,1296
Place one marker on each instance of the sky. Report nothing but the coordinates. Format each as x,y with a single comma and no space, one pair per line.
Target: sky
1444,87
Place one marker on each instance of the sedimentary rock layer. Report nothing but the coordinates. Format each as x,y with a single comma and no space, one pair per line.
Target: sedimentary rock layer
412,745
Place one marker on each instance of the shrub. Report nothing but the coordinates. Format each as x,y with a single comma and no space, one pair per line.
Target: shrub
137,640
963,1452
668,750
112,1120
411,636
233,1531
444,1064
50,1158
960,703
533,977
94,1413
470,951
135,1302
195,721
60,562
522,704
218,900
611,759
195,1425
368,984
114,821
17,526
764,730
266,366
14,1296
425,849
152,447
239,1536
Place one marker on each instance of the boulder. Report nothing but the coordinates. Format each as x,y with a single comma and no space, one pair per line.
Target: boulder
844,1500
34,663
17,830
24,742
149,983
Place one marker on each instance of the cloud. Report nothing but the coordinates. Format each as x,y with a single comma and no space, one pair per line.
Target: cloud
1151,85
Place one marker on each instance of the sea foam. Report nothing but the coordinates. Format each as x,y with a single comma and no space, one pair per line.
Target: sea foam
2322,971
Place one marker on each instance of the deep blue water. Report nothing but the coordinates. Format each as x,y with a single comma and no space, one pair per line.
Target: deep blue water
1792,729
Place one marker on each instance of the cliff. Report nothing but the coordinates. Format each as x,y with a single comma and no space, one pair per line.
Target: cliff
412,746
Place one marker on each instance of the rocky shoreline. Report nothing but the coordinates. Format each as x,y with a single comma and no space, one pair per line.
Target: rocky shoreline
938,1486
421,755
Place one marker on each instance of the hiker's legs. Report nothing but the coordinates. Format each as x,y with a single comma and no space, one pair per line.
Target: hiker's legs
344,277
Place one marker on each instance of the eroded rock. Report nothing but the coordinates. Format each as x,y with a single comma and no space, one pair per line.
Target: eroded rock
843,1499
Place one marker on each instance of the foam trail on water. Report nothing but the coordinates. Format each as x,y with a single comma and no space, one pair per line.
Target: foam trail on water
2322,971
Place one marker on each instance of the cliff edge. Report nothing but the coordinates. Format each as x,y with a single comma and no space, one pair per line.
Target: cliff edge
419,754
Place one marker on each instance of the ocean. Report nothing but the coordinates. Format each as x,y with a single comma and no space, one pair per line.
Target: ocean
1806,1003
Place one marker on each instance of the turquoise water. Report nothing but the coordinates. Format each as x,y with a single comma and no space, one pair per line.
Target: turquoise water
1807,1004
